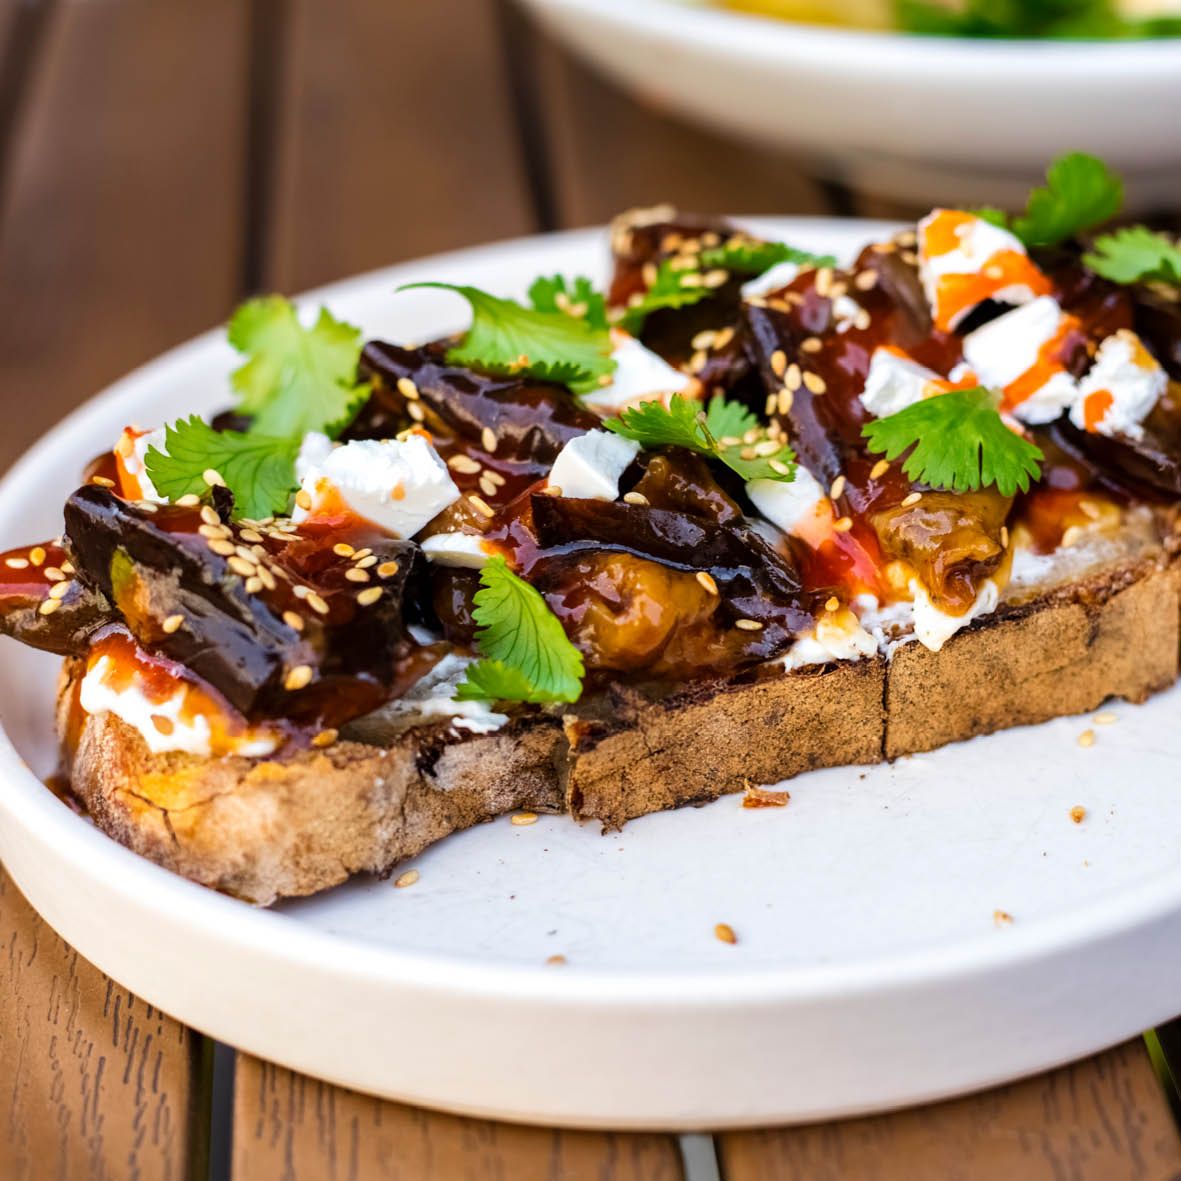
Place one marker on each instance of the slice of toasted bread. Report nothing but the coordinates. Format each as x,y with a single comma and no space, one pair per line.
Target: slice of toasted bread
269,828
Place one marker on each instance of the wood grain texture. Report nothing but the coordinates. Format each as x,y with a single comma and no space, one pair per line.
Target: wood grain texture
1098,1120
94,1083
610,151
291,1128
122,230
393,138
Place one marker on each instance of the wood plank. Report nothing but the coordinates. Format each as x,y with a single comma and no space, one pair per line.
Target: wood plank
291,1127
394,138
96,1083
1104,1118
610,150
122,230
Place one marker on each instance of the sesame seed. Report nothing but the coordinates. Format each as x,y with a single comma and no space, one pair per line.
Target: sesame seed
487,486
1086,738
481,506
635,498
49,606
824,281
361,554
1078,813
779,362
906,238
704,339
239,565
325,738
303,498
213,478
248,555
1106,718
355,575
811,344
342,549
316,603
293,620
253,584
913,498
266,578
707,580
555,960
102,481
1005,536
725,933
832,604
416,412
463,464
172,624
1002,918
842,525
211,531
147,506
815,383
17,563
250,535
365,561
879,469
838,486
488,439
189,500
221,547
784,400
209,515
298,678
495,477
865,280
769,405
748,625
407,879
387,570
68,568
909,257
37,555
53,574
523,818
300,592
792,378
369,596
778,466
407,389
59,590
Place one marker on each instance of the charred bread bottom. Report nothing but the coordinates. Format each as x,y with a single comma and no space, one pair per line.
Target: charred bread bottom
263,829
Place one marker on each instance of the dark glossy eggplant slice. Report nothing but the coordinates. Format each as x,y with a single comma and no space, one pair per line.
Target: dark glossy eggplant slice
268,617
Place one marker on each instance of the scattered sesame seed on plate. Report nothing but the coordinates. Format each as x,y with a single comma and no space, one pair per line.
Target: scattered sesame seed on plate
407,879
1078,813
522,818
1087,738
173,624
725,933
1002,918
1106,718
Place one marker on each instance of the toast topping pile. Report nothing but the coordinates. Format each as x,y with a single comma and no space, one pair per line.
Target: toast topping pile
737,459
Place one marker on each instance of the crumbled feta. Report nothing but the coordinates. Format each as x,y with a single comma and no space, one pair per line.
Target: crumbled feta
933,628
775,279
433,698
838,635
1121,388
640,376
895,381
1016,353
131,451
964,260
313,451
589,466
466,550
845,312
399,485
164,725
792,505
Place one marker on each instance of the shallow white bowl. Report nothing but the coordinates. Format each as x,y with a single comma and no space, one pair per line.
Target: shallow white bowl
921,119
868,972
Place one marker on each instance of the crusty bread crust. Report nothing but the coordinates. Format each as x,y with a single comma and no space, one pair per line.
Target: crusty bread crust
265,829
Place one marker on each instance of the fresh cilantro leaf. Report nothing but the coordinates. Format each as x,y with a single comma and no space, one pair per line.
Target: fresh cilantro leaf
720,432
258,469
1010,18
506,338
1080,192
526,654
297,379
576,297
992,215
1134,255
748,257
670,289
959,442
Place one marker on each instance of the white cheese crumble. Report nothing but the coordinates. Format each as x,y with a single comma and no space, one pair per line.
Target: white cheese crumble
775,279
191,735
838,635
895,381
640,376
399,485
456,549
845,312
933,628
589,466
791,505
432,699
1121,388
1005,350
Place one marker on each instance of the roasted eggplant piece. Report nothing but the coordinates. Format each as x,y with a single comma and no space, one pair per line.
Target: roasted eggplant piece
269,618
43,605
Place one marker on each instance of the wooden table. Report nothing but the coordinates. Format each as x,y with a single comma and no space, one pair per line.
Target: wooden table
158,160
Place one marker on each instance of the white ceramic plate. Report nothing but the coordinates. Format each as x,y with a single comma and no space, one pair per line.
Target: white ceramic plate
921,119
868,971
